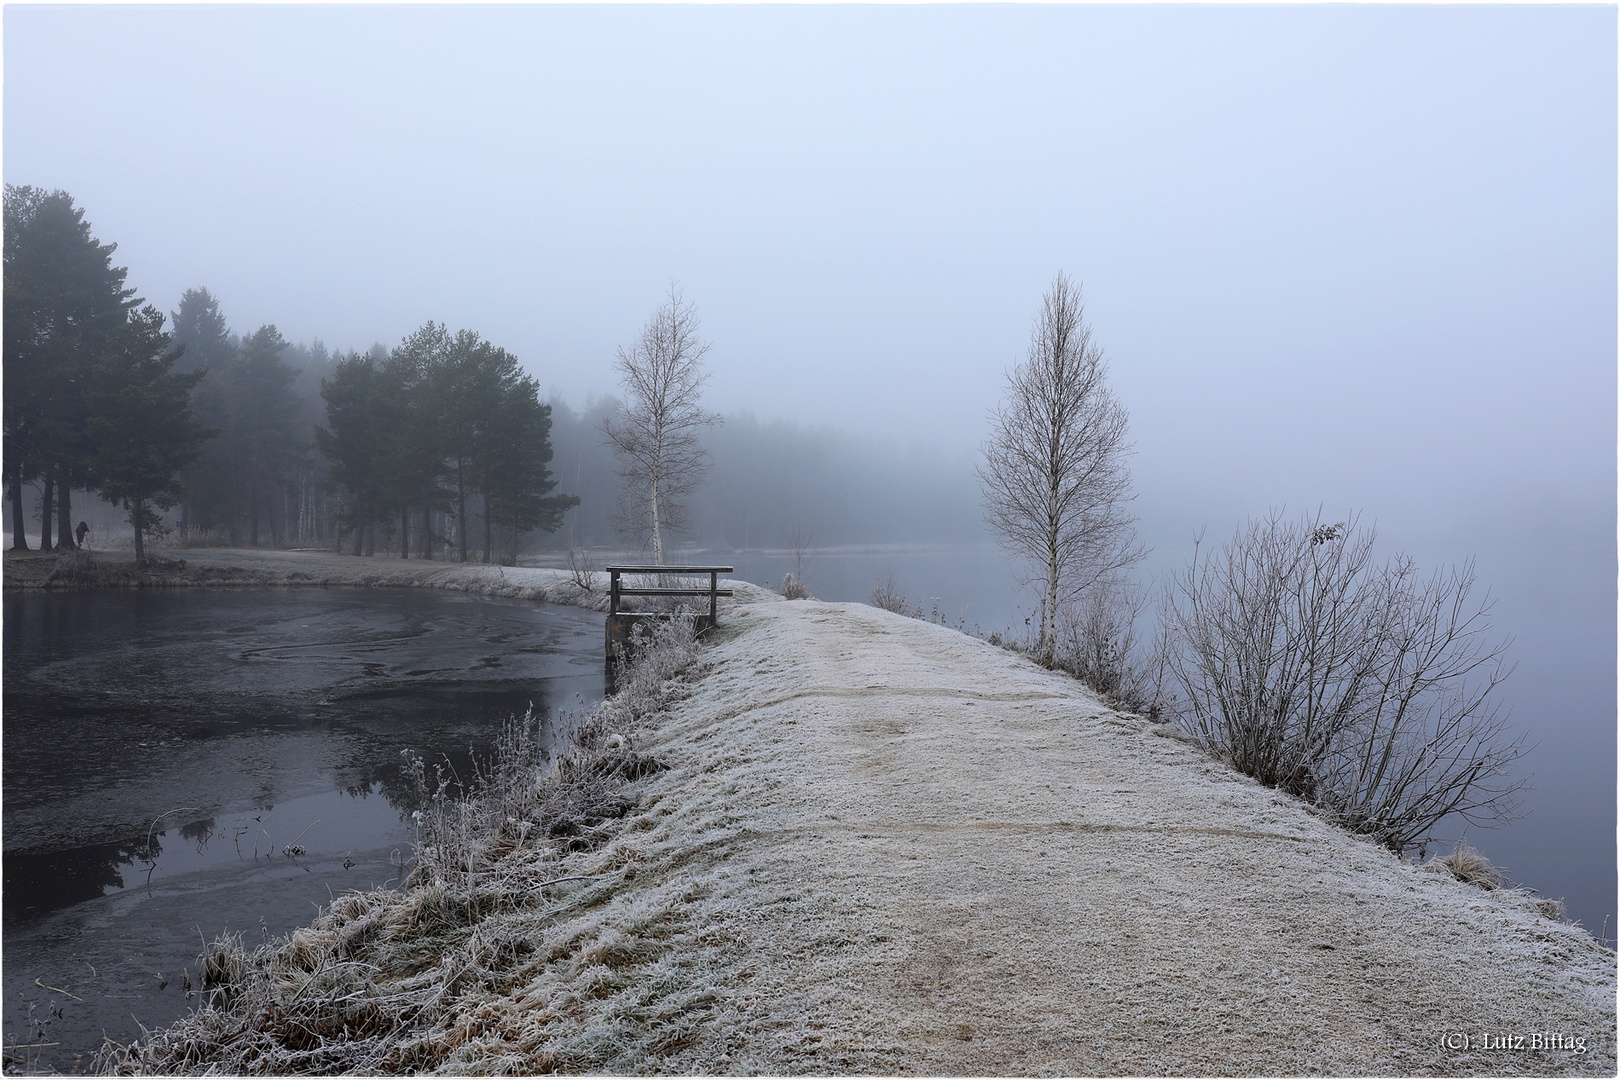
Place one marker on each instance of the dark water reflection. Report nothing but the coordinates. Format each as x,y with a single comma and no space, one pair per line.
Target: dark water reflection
181,764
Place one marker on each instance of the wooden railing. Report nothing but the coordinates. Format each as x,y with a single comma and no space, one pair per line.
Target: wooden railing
621,622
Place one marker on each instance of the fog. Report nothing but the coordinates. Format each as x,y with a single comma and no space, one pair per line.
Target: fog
1357,257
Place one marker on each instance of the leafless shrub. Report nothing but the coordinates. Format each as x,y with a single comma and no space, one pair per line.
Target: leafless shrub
1054,477
888,596
799,547
579,570
1097,642
1358,686
792,588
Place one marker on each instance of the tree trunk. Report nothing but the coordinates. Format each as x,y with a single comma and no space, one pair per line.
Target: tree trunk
489,535
1049,607
19,522
253,510
275,532
657,537
64,511
47,508
138,516
404,534
461,517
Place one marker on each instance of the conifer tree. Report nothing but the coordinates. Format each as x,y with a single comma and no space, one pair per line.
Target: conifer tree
514,472
66,308
140,424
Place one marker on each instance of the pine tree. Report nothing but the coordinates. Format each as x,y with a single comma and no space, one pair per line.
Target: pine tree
265,411
200,330
66,308
140,423
352,439
514,471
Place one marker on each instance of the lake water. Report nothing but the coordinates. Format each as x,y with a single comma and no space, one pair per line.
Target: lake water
179,764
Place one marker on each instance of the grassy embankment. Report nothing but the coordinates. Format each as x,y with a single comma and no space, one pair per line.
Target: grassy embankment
507,895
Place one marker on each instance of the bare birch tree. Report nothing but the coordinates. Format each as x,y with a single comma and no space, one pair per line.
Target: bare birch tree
656,438
1054,477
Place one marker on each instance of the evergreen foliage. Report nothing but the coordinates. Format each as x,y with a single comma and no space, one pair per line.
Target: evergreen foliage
444,422
66,310
140,424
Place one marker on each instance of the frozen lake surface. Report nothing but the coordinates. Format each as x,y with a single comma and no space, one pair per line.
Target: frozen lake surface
184,763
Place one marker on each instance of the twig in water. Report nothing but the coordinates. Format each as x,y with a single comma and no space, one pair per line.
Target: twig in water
166,813
58,989
308,827
293,849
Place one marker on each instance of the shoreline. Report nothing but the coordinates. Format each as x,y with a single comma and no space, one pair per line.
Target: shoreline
877,845
308,568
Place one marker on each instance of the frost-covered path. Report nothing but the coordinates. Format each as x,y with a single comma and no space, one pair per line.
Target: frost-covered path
915,852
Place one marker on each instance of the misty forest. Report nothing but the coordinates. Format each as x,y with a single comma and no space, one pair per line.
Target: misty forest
440,447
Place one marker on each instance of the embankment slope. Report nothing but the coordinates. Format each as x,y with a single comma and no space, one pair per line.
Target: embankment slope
924,854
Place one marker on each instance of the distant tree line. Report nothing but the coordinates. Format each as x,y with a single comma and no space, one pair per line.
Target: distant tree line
440,444
440,447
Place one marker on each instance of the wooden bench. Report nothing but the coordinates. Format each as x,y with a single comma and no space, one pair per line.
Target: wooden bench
621,624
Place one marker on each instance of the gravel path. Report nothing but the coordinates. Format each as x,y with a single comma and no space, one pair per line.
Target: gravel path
922,854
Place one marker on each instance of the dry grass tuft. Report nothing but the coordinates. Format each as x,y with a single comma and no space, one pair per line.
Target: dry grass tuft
1551,909
1470,867
501,952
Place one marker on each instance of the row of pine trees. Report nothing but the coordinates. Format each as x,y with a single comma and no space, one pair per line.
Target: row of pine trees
436,446
444,422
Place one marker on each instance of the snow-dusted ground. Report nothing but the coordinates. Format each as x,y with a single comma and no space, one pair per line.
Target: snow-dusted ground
909,851
884,846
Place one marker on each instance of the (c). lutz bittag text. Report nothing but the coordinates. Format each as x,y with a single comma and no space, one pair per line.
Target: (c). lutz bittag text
1555,1041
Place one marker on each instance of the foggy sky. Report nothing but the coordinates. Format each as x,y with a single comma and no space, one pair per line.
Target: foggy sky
1363,256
